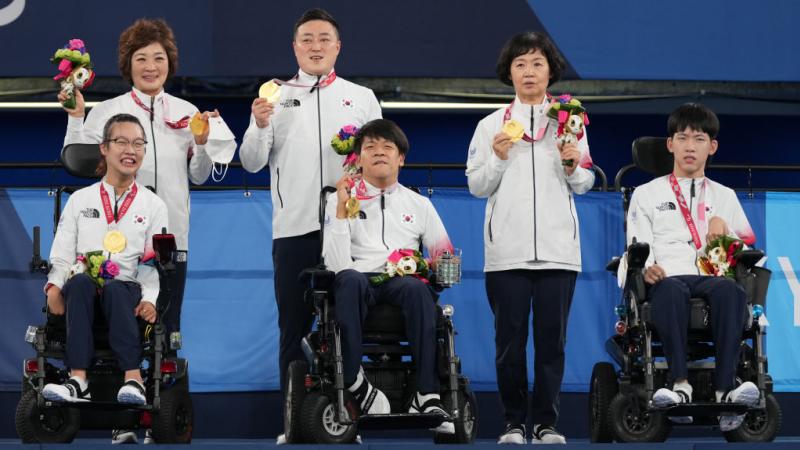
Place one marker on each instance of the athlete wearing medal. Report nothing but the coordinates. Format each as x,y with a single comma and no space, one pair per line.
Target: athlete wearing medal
531,233
116,217
292,134
677,214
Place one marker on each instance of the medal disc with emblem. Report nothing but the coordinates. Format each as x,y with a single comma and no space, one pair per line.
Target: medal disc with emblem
114,241
353,206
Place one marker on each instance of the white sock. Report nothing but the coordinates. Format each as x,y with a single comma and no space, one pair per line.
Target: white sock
683,386
359,379
81,382
719,395
422,398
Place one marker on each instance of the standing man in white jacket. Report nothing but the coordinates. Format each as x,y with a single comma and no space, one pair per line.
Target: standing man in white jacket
531,234
293,136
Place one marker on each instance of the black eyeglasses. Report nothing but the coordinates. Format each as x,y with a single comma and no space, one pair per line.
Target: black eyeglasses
138,144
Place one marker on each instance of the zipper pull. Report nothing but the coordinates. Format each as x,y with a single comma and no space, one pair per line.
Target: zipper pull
383,201
691,192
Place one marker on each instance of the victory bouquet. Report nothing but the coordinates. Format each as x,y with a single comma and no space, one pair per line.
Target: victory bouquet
403,262
571,117
342,144
96,266
75,69
721,256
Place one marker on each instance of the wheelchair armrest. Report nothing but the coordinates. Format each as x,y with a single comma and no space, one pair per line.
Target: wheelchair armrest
637,255
317,278
749,258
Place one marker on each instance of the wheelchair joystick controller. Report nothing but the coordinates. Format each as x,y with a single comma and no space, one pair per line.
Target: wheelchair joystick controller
38,264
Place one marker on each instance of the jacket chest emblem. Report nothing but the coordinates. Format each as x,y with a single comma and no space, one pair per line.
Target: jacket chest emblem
408,218
348,103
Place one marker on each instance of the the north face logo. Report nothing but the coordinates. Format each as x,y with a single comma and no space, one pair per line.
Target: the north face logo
290,103
90,213
666,206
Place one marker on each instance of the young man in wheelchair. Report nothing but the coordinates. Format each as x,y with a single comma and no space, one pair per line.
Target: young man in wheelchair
366,220
677,215
101,250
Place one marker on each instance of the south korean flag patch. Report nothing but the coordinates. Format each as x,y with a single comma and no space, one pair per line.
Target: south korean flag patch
347,103
408,218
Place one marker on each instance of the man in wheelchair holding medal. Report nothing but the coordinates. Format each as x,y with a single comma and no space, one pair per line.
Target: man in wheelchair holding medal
101,250
373,230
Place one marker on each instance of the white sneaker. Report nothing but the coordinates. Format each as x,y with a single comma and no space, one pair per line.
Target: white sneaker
432,403
370,399
547,434
281,439
747,394
665,397
514,434
123,437
132,393
70,391
148,437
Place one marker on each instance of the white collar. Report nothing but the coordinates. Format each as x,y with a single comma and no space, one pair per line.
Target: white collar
112,190
146,98
311,79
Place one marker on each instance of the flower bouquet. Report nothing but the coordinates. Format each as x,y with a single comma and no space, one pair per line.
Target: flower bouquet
571,117
75,69
403,262
342,144
721,256
96,266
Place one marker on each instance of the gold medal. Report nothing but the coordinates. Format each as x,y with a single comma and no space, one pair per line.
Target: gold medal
352,206
270,91
114,241
513,129
198,126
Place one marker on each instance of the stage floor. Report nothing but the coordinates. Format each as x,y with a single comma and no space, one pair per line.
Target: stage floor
419,444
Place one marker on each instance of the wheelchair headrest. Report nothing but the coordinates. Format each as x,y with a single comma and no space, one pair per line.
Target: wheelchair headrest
80,160
651,155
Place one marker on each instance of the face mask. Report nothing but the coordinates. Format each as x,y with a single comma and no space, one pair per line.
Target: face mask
220,147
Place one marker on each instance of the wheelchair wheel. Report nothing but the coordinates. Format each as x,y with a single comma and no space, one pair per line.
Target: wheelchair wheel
173,422
45,425
602,390
293,402
758,426
467,423
319,423
630,420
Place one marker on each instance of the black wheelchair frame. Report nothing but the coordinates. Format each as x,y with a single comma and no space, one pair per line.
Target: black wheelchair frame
620,401
319,409
168,410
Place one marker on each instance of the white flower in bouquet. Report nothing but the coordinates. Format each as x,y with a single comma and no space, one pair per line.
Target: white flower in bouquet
391,268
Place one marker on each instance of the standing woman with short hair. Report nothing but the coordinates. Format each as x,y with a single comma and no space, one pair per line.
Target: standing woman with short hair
531,233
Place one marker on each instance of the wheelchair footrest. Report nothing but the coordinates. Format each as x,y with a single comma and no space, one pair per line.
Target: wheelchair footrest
101,405
705,409
399,421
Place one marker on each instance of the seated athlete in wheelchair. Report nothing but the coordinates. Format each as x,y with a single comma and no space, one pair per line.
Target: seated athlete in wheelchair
675,307
107,262
370,307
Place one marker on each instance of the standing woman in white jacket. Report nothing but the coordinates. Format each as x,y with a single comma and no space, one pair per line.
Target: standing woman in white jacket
531,239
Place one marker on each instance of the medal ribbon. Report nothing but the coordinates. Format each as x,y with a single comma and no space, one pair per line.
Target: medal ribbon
125,204
687,215
183,122
323,83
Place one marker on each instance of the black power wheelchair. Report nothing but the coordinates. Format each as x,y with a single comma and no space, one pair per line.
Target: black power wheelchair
620,401
168,409
319,409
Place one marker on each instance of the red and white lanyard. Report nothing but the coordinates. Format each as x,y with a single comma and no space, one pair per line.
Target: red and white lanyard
687,214
126,204
183,122
321,84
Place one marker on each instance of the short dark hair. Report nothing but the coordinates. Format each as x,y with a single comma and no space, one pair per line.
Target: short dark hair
694,116
524,43
115,119
382,128
316,14
142,33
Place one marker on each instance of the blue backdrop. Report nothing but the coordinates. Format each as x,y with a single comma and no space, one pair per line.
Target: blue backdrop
736,40
229,315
